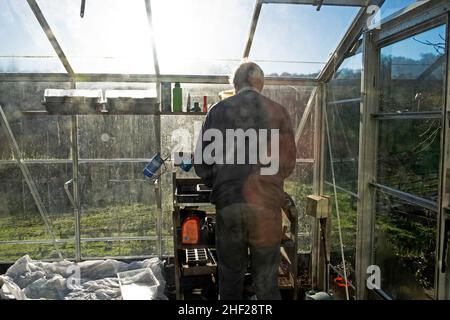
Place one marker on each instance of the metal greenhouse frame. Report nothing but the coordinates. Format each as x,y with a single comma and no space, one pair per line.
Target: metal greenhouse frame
410,21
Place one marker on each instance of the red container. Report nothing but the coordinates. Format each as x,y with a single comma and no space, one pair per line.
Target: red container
190,230
205,104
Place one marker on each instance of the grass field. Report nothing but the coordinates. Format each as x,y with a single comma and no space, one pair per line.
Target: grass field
134,220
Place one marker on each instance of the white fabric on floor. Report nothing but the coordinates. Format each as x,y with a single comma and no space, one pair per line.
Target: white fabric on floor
29,279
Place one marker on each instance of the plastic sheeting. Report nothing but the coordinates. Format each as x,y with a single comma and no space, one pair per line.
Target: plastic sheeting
65,280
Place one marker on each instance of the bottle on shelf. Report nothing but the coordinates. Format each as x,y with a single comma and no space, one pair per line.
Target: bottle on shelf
196,107
188,105
177,98
165,97
205,104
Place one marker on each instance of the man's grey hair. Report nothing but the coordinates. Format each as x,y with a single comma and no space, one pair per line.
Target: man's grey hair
246,74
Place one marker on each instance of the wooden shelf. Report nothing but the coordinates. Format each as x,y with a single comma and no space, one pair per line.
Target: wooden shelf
166,113
198,271
288,274
193,204
46,113
181,268
195,246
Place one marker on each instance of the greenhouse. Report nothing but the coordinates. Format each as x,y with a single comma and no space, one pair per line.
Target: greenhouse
102,103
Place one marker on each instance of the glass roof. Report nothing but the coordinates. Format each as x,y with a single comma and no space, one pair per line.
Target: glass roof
297,40
205,37
113,36
197,37
392,6
25,47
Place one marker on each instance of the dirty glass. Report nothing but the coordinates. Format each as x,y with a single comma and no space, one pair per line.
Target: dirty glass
300,184
117,201
44,146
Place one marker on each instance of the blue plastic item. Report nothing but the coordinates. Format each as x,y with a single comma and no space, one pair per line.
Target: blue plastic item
186,165
153,166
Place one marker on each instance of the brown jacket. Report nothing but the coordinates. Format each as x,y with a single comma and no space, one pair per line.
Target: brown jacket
243,183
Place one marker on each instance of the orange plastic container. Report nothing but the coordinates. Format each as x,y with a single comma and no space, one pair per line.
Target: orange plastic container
190,230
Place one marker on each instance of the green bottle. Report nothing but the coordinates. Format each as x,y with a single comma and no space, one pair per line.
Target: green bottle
177,96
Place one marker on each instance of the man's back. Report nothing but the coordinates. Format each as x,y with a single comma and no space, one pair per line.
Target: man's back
236,182
246,151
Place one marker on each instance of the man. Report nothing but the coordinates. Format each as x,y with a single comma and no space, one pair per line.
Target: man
248,195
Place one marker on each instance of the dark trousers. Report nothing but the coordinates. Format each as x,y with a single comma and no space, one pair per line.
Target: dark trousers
234,227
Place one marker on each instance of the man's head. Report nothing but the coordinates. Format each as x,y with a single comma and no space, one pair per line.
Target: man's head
248,74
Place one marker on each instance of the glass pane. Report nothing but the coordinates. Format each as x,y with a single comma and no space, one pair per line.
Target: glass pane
405,242
293,98
116,137
167,247
201,36
20,221
348,220
25,96
346,82
17,199
113,36
343,121
117,86
41,137
116,201
392,6
413,72
28,49
343,115
38,137
299,185
11,252
408,156
190,127
297,40
102,249
305,145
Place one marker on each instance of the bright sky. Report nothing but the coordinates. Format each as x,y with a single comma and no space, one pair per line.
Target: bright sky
192,36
